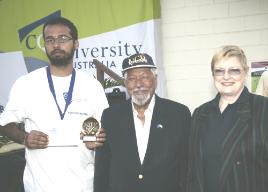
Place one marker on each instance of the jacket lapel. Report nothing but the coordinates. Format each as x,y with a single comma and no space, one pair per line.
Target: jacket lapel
198,134
155,142
233,139
130,135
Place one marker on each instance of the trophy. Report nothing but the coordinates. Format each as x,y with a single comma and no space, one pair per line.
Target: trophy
89,128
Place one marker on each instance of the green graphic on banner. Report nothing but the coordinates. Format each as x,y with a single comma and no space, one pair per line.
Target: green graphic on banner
22,20
109,31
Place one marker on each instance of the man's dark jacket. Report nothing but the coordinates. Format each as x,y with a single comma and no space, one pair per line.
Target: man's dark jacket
117,163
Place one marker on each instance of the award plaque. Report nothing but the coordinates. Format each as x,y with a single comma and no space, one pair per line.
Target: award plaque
89,128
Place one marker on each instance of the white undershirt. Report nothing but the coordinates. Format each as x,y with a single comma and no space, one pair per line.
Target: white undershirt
143,131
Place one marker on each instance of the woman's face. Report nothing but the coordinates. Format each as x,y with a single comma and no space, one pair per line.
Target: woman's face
229,77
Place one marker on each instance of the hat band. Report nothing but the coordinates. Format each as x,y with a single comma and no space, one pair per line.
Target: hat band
139,66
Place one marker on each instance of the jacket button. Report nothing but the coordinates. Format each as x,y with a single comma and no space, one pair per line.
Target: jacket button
140,176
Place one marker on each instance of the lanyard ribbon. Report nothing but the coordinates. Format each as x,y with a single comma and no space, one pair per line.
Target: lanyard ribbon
69,95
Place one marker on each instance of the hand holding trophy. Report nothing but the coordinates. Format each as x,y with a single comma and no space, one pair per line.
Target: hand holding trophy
89,129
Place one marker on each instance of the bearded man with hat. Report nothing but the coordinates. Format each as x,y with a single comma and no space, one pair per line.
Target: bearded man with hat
146,148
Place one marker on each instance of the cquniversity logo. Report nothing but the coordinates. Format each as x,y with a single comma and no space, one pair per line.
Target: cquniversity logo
30,38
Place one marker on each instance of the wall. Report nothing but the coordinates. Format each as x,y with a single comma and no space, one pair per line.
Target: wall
193,29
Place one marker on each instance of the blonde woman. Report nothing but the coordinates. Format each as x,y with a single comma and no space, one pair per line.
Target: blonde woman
229,134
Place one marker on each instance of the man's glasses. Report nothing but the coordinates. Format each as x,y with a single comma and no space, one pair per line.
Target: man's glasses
60,40
231,71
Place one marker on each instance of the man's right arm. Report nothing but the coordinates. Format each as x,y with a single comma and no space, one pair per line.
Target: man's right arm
33,140
14,132
102,163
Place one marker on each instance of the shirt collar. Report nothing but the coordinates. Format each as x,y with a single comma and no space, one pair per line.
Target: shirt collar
242,98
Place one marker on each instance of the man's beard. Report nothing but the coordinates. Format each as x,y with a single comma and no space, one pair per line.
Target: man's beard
60,60
141,99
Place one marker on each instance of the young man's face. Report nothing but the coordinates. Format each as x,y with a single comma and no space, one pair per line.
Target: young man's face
59,44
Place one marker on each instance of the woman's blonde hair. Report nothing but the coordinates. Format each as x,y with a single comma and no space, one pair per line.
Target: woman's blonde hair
228,51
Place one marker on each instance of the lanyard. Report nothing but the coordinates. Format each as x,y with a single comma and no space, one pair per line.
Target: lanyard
70,92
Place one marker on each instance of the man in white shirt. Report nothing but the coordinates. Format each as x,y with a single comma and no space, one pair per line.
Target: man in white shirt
147,137
53,102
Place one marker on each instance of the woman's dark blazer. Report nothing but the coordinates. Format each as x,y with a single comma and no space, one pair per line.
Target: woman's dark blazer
245,166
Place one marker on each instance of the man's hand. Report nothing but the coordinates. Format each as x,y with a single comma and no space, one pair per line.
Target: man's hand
36,140
100,139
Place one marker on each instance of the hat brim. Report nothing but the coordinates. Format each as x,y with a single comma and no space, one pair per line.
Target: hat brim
138,66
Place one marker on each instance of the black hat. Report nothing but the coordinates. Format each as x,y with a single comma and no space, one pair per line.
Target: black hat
137,61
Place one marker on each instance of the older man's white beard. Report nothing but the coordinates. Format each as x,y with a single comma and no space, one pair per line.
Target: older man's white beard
141,100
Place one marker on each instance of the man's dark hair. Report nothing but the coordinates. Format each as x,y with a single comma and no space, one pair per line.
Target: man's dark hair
65,22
